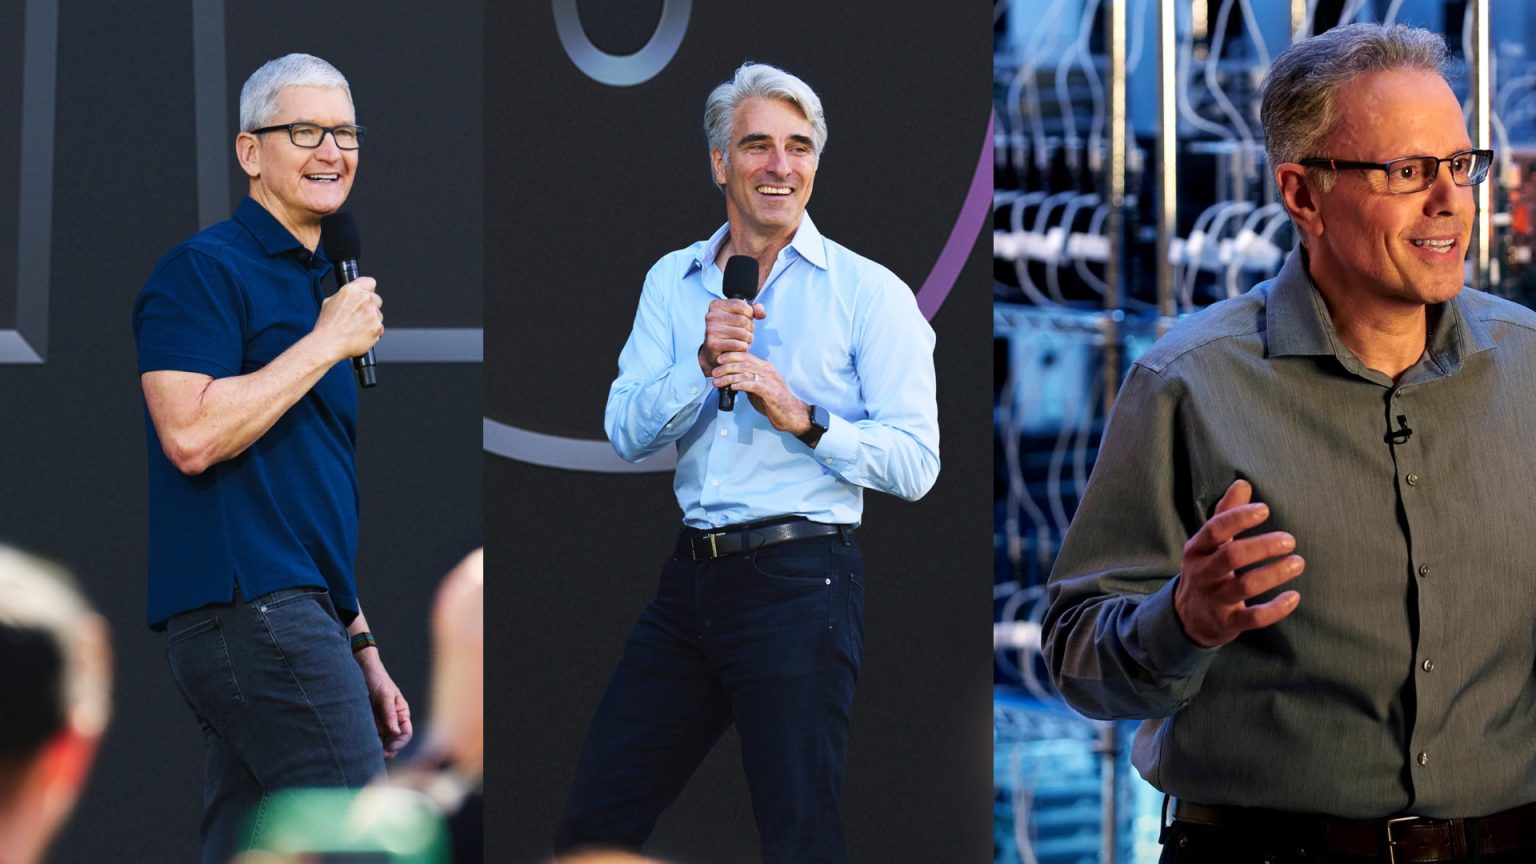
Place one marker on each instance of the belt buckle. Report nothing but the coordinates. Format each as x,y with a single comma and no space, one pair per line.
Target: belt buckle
1391,842
713,552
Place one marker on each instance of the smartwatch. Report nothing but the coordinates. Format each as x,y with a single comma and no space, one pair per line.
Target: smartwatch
818,417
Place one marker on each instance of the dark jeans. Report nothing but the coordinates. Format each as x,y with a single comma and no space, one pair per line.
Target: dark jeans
1202,844
281,702
769,640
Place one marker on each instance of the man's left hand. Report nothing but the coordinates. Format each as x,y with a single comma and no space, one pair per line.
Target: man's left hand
391,713
756,377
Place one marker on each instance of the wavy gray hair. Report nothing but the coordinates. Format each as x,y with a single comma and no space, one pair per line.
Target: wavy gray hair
1300,107
761,81
258,98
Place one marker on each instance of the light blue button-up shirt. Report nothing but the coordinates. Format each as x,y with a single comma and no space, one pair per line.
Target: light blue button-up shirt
843,332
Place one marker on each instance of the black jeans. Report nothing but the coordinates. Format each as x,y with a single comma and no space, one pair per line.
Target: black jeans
281,703
769,640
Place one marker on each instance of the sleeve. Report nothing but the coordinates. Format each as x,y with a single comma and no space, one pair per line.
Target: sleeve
895,448
1114,644
190,317
657,396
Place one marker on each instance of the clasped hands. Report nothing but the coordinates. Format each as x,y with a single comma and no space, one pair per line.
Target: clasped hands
1211,598
728,330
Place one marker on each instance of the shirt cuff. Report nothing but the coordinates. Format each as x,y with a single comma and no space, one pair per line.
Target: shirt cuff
839,445
1169,650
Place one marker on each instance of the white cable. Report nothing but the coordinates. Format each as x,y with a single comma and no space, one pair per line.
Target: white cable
1239,258
1095,84
1185,102
1080,263
1020,262
1034,50
1213,84
1042,220
1351,11
1192,252
1306,22
1391,16
1138,37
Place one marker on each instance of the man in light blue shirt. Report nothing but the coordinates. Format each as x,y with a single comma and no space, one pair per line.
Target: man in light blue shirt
758,619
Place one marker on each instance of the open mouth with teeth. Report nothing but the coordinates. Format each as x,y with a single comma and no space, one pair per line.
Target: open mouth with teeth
776,191
1439,247
323,178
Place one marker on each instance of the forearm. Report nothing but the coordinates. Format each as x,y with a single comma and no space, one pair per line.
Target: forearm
1118,656
227,415
647,412
898,461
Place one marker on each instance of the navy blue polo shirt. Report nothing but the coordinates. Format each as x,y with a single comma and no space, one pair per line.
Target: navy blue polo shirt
283,514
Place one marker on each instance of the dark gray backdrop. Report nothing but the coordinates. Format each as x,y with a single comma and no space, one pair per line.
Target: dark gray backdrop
587,185
123,190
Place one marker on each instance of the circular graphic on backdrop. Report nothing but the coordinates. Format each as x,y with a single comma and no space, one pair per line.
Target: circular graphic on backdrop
627,70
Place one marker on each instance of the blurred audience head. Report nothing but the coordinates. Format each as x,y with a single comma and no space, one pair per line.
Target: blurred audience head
55,699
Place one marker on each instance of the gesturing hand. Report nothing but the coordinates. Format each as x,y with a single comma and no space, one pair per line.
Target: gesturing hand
771,397
1211,599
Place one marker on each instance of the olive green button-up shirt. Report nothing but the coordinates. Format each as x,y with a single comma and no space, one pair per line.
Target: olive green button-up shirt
1405,681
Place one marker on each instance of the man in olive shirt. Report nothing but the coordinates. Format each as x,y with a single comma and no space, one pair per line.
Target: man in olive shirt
1301,559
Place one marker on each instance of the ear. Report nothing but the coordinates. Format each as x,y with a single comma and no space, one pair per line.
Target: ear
1299,195
248,153
717,159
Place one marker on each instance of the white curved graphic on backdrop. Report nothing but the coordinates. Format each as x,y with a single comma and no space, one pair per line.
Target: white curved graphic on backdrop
630,69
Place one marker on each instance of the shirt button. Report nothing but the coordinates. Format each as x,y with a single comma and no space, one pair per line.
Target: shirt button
714,482
1423,569
724,432
1429,665
828,460
693,391
1413,479
1423,758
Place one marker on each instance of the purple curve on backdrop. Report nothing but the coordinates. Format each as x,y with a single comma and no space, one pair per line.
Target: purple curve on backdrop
962,238
580,454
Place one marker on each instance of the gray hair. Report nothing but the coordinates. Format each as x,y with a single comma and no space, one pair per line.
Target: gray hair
1300,107
760,81
56,671
258,98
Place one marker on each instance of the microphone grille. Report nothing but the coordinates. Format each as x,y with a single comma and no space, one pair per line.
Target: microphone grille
339,237
740,282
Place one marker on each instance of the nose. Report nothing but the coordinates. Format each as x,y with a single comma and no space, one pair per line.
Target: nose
1445,198
327,146
778,163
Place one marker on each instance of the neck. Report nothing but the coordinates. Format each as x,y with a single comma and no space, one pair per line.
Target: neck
765,248
306,231
1389,338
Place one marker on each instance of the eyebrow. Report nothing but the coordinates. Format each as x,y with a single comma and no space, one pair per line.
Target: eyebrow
755,137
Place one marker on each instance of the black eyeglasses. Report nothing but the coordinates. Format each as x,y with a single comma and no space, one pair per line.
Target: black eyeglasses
310,135
1417,173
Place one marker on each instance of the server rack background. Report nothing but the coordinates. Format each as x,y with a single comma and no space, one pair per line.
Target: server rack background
1131,190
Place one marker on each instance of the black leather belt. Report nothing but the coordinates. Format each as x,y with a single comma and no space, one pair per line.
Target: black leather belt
1396,840
702,545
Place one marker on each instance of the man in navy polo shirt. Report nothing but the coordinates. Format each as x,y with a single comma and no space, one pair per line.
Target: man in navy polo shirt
252,414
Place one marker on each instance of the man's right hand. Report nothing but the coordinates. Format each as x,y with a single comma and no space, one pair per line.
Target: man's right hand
350,320
727,327
1210,598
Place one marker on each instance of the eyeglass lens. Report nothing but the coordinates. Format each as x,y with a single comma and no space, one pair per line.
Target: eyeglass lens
310,135
1415,174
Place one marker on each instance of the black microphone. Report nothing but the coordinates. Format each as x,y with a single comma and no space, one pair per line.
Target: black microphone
740,284
343,246
1402,433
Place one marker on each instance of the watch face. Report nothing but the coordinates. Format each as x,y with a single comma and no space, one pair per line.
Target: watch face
819,417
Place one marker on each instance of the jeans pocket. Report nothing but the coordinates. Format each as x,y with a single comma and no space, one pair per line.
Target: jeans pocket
199,660
799,574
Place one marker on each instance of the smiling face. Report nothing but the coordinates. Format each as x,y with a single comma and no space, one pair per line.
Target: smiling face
771,170
295,184
1393,251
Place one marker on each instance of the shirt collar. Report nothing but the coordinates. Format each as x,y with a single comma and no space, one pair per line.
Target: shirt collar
1297,323
270,234
807,243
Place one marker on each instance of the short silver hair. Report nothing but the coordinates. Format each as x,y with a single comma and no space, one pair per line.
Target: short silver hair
1300,107
760,81
258,98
